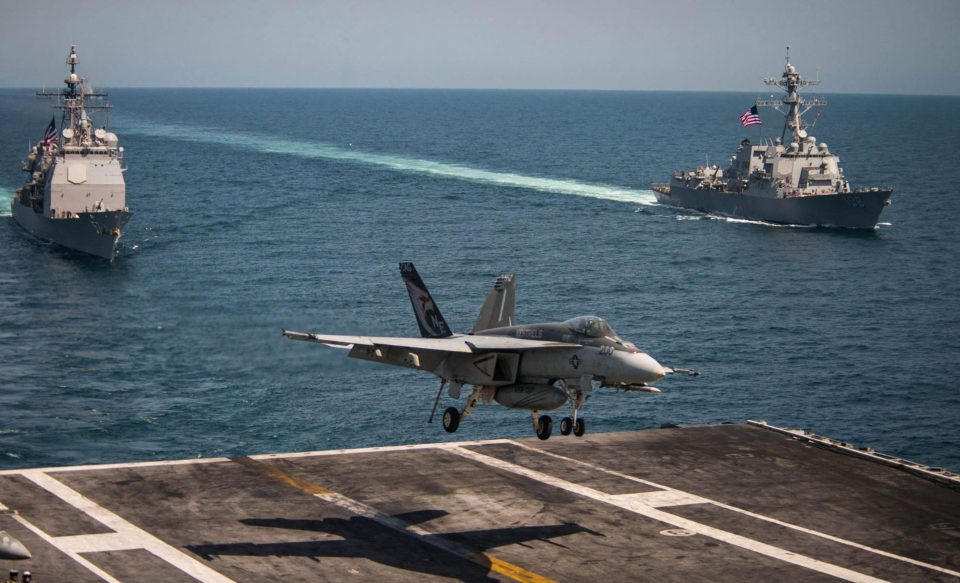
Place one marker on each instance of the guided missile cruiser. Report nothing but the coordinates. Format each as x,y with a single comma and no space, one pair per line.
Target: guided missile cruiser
800,182
75,194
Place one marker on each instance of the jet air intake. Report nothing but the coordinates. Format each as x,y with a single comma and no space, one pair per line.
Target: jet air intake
530,396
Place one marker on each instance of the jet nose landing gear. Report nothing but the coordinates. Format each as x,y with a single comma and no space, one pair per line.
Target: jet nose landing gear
578,427
451,419
578,398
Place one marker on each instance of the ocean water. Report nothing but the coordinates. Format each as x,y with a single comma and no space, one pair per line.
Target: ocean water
257,210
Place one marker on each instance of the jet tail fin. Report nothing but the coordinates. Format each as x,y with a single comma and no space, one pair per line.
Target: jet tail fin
499,307
429,318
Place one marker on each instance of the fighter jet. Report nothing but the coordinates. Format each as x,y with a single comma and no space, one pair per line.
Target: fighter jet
537,367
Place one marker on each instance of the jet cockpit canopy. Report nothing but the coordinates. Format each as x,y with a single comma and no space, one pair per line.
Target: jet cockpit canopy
591,326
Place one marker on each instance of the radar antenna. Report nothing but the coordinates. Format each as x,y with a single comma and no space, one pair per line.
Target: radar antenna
72,102
796,106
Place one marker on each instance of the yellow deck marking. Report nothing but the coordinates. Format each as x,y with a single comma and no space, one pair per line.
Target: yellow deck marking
648,511
508,569
718,504
419,533
278,474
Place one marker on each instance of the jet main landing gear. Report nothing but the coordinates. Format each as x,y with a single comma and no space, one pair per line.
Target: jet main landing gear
542,425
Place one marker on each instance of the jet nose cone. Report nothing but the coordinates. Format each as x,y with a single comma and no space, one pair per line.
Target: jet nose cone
11,549
648,368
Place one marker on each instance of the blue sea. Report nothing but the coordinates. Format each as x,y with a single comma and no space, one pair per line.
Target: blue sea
258,210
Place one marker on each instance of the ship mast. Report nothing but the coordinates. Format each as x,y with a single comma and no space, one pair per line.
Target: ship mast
796,106
72,102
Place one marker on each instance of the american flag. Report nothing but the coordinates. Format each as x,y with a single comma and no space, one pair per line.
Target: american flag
50,134
751,117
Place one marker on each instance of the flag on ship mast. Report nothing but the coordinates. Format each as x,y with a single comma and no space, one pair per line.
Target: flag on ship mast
751,117
50,134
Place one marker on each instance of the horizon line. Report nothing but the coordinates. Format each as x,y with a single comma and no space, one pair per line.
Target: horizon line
514,89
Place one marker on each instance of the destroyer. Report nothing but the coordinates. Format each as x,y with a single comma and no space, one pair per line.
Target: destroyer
800,183
75,195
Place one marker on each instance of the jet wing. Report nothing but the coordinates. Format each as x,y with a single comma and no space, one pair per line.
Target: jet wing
450,344
456,343
482,343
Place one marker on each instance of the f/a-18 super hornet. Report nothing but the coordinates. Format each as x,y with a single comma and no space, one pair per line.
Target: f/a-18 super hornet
538,367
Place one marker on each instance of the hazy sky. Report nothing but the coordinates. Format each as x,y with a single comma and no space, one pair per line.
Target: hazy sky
871,46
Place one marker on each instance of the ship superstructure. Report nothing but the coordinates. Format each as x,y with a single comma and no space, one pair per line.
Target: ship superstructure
796,183
75,195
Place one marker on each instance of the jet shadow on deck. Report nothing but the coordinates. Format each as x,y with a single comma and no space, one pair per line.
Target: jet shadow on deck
366,538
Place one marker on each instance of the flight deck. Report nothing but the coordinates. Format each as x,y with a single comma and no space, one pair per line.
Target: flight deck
710,503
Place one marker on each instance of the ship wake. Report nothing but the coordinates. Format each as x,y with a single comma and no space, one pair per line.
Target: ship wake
319,150
738,220
6,195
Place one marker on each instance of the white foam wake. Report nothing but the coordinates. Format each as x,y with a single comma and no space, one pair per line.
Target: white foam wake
726,219
305,149
6,195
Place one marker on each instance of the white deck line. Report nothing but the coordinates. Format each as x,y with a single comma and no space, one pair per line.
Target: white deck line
769,519
662,498
129,536
262,456
671,519
94,543
73,555
452,446
121,465
380,449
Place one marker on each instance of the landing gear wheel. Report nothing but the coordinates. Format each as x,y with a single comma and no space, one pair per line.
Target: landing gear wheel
579,428
544,427
451,419
566,426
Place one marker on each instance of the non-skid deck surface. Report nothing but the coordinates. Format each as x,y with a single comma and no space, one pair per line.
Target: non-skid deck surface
717,503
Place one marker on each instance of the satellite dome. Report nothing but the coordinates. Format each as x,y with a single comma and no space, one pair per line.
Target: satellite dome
791,69
111,139
811,140
794,146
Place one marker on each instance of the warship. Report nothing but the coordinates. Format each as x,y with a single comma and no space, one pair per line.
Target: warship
75,195
797,183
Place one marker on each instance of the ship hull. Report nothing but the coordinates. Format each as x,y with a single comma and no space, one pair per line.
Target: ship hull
94,233
852,210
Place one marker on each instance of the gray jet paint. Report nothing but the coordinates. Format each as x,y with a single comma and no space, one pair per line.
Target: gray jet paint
535,366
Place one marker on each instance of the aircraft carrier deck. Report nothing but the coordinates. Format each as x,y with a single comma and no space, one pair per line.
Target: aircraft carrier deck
712,503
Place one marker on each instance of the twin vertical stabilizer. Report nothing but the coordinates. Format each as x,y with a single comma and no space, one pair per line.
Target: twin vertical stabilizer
429,318
499,307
